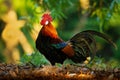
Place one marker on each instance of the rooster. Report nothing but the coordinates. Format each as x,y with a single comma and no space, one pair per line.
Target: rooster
81,48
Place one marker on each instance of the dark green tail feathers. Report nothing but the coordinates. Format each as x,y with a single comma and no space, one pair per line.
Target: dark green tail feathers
84,44
106,37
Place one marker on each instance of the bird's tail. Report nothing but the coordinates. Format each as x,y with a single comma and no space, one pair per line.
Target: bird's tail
84,44
104,36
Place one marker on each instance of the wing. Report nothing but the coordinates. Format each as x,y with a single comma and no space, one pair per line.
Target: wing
59,45
65,47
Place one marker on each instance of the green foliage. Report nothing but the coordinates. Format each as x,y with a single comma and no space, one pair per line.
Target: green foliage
26,10
35,58
26,32
101,64
57,8
2,46
3,8
117,52
102,15
104,11
97,63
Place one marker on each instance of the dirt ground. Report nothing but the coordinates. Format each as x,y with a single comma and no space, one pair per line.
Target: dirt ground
27,72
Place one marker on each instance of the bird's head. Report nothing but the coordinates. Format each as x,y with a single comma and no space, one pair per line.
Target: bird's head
46,19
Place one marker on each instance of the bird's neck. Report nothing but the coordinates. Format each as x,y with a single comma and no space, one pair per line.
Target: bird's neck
49,31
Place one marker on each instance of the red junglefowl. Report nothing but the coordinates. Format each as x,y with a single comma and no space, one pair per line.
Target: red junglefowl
80,48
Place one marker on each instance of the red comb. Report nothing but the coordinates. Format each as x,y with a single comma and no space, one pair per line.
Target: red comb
47,16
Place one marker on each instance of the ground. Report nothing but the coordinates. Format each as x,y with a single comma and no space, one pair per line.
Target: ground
69,72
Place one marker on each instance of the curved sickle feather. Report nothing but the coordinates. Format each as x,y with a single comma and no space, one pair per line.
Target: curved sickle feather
107,38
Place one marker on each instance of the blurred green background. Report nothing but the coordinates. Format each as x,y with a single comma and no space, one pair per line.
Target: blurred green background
19,25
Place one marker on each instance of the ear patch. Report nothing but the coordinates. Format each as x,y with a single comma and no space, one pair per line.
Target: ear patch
46,23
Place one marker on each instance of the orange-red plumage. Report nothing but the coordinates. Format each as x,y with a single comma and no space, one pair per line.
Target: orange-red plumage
68,50
49,30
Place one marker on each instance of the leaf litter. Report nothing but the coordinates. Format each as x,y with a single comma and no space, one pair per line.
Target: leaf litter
68,72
